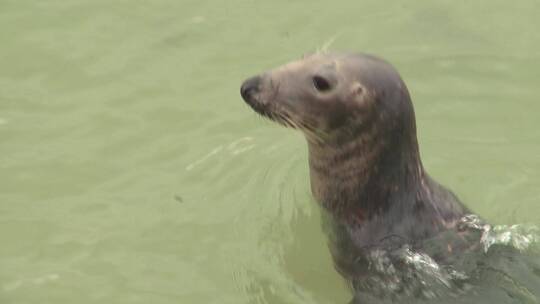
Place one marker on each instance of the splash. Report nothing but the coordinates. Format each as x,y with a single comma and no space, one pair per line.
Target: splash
406,272
518,236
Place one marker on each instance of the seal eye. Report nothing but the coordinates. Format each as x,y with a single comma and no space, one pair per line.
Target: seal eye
321,84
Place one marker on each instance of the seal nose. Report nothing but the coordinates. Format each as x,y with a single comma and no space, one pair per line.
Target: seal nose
249,88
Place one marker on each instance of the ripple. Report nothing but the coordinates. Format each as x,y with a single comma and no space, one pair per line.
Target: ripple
204,158
235,147
40,280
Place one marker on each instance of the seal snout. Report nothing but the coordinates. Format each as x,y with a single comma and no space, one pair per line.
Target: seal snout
250,88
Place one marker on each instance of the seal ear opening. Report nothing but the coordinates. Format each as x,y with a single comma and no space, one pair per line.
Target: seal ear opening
357,89
360,95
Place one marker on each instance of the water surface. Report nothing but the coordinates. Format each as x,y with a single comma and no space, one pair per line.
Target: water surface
132,172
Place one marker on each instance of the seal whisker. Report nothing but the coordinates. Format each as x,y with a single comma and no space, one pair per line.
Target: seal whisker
291,123
311,131
289,120
324,48
283,120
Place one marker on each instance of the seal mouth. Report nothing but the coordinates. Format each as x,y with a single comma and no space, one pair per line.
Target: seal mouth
290,121
264,102
251,92
282,118
273,114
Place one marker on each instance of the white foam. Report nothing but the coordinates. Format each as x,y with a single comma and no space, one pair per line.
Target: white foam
519,236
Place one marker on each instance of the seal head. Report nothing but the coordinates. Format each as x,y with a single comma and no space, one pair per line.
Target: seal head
331,96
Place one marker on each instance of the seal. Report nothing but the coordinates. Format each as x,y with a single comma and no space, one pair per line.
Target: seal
365,168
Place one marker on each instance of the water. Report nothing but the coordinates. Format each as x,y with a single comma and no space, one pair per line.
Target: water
132,172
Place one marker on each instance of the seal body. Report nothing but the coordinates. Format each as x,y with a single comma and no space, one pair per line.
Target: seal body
365,168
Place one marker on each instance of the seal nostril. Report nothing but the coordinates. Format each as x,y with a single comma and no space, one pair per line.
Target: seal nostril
250,87
245,92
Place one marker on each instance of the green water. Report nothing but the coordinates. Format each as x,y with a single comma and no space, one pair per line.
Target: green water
132,172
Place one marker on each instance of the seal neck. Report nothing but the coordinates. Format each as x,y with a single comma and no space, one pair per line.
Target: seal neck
363,177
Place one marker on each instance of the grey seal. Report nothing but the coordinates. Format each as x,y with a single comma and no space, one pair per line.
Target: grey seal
365,168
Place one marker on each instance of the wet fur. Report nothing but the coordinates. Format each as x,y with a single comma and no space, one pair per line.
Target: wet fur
365,166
